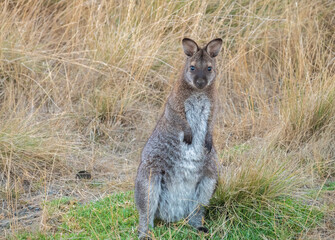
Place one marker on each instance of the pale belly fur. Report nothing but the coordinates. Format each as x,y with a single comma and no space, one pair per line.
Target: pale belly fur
178,199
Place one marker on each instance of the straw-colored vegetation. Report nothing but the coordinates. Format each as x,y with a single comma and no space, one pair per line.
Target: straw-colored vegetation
82,83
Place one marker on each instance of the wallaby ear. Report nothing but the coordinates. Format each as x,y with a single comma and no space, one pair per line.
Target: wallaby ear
190,47
213,47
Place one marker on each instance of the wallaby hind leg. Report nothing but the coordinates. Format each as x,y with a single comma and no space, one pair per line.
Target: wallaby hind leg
204,192
147,190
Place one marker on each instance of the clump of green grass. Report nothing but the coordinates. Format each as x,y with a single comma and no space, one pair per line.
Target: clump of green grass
261,198
330,186
280,218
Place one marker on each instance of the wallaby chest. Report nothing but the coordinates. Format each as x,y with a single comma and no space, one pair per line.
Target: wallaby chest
191,158
197,110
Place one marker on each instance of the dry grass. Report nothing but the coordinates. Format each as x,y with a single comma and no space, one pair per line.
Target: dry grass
82,84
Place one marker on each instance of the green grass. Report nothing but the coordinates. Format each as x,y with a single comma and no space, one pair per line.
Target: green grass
330,186
284,218
115,217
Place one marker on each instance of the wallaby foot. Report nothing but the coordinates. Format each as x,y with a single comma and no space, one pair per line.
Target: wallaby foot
143,230
195,218
142,236
146,220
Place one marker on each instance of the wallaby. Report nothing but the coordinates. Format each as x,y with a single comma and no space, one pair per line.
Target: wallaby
178,170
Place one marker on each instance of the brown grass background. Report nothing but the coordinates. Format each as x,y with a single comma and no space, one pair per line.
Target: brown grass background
83,82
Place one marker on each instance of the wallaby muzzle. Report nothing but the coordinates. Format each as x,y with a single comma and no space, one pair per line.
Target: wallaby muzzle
200,83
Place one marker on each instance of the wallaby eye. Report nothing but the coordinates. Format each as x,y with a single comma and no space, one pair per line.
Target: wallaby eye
192,68
209,69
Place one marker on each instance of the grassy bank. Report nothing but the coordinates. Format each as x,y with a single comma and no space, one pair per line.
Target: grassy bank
115,217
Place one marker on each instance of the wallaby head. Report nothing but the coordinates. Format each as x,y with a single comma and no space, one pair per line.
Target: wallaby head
200,69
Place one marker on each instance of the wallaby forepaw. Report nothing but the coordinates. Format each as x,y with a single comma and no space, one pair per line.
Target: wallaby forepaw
188,138
209,142
203,229
208,146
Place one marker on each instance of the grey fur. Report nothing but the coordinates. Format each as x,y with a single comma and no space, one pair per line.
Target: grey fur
177,174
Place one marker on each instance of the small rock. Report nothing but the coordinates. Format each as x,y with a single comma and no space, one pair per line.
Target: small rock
83,175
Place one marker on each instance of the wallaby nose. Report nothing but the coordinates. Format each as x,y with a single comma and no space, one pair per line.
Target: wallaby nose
200,83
